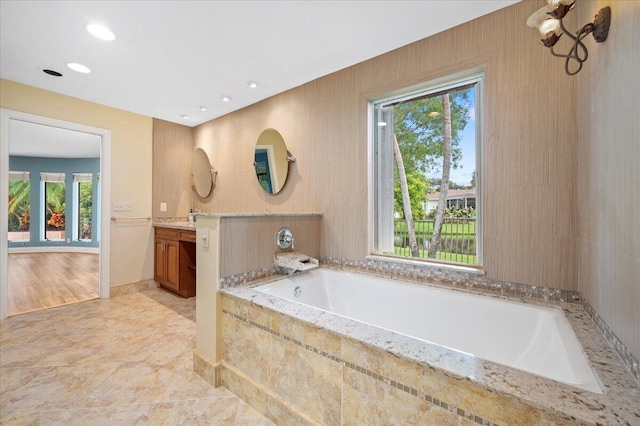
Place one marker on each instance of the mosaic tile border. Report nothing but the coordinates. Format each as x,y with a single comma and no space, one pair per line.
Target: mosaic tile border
388,381
452,278
246,277
623,352
241,279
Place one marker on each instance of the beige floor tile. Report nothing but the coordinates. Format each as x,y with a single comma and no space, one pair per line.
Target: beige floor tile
126,360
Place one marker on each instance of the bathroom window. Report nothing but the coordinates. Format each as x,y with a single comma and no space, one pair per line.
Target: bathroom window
19,206
83,205
427,193
54,202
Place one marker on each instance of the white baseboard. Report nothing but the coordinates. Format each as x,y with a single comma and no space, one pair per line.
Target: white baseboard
54,249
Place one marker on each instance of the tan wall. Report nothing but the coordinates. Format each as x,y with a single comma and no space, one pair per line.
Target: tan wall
249,243
529,146
609,172
172,161
131,157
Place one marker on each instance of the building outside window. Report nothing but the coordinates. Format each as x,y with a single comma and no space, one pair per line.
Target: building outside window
53,194
83,205
427,147
19,206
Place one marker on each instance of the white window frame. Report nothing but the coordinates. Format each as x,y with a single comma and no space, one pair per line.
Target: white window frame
44,178
451,81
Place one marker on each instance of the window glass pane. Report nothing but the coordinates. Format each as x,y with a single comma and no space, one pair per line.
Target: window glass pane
19,206
430,141
54,225
85,209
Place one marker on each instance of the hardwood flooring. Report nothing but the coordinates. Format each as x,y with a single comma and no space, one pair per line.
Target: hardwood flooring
44,280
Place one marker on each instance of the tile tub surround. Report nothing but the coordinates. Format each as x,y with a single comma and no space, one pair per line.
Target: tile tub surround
120,361
476,282
470,281
459,278
463,278
409,376
625,355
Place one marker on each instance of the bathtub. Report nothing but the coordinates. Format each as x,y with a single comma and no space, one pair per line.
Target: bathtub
532,338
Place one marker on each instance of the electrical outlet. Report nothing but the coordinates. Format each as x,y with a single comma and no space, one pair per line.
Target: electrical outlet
68,240
163,207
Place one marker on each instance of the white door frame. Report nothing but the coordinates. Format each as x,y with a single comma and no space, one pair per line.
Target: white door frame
105,197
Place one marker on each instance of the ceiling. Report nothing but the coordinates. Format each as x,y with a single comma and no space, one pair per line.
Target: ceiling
39,140
170,58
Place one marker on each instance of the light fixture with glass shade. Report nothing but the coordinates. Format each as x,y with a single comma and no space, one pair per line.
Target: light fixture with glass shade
548,20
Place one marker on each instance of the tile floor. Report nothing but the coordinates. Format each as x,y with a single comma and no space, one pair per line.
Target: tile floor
123,361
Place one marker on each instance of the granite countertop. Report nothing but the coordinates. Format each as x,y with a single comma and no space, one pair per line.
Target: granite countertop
183,225
619,404
265,214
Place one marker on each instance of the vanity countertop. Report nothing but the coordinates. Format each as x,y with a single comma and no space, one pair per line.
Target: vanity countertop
265,214
185,226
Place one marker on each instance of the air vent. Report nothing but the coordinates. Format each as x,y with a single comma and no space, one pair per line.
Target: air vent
53,73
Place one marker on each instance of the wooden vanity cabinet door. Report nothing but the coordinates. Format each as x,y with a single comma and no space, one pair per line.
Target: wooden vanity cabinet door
161,262
172,251
175,259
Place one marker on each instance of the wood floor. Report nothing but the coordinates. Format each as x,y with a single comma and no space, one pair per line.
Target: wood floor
44,280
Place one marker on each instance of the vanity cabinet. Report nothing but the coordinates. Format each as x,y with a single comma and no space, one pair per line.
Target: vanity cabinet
175,260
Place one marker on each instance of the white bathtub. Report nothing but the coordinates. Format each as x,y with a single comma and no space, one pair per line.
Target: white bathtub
531,338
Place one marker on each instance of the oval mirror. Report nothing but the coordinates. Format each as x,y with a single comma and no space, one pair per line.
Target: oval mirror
202,173
271,161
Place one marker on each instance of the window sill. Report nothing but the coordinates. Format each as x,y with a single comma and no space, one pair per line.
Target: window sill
427,263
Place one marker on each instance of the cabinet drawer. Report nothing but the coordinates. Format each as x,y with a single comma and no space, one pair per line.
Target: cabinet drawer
188,236
170,234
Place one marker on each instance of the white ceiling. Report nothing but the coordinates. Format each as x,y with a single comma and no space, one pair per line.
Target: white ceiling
171,57
38,140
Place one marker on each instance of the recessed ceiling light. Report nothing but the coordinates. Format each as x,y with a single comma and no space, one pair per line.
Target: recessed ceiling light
79,67
52,72
101,32
203,108
185,116
252,84
225,98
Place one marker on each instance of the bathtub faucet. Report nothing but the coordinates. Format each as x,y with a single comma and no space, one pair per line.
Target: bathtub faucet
293,261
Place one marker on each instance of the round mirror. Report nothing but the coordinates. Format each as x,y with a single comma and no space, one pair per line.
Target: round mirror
271,161
202,173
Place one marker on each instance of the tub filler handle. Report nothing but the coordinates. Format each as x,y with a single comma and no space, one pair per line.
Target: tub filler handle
284,239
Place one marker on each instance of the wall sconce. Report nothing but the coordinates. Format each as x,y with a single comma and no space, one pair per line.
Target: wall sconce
548,20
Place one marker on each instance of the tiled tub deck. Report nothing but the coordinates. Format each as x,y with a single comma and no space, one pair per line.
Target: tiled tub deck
300,365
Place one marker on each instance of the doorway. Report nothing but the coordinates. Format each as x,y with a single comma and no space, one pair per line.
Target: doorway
65,226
